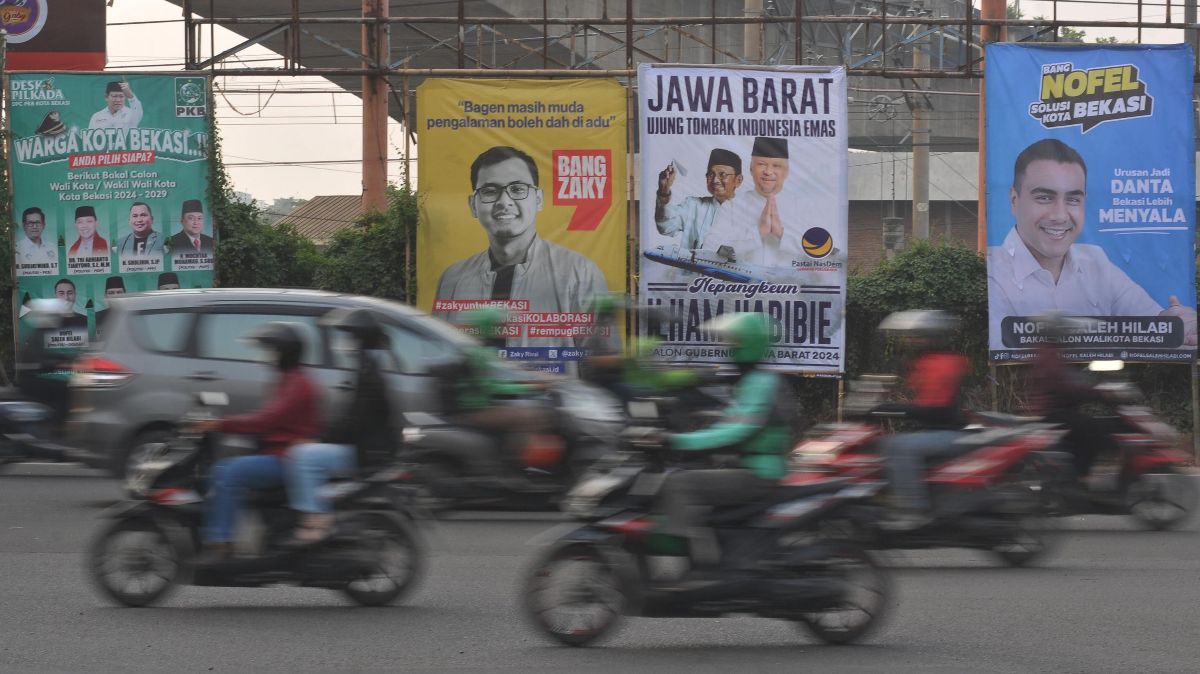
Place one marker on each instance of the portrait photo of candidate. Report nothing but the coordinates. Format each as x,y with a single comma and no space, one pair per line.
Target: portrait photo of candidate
706,222
122,110
114,286
168,281
773,216
142,240
64,291
191,237
506,198
89,242
1041,267
38,245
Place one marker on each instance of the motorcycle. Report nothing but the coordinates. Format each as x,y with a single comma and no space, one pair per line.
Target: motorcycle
148,545
1150,479
989,496
777,562
454,473
26,430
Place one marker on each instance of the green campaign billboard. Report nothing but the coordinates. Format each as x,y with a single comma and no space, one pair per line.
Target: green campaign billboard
110,190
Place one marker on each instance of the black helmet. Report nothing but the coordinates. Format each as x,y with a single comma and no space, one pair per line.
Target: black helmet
360,323
285,339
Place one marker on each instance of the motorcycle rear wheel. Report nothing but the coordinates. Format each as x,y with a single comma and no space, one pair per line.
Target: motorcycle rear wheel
400,562
1163,501
577,608
144,573
865,604
1031,539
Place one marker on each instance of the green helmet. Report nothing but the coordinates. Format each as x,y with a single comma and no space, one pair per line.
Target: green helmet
486,321
747,334
605,305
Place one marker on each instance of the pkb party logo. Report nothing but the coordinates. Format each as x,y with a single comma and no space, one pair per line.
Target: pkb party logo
189,97
817,242
23,19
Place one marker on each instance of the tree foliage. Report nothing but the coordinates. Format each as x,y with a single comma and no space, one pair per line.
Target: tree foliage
372,256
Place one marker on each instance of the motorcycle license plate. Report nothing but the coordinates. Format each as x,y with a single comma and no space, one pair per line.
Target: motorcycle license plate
640,409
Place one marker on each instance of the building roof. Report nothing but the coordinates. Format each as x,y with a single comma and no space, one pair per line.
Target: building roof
321,217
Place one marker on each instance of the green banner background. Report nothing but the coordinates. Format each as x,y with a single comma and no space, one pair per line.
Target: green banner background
66,152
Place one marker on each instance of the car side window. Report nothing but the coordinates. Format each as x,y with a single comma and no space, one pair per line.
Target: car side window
412,352
162,331
222,335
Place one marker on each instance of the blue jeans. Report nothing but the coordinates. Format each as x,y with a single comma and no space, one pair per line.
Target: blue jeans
907,454
230,480
309,467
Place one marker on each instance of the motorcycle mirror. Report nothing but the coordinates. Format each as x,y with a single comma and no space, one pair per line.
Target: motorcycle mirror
1106,365
213,398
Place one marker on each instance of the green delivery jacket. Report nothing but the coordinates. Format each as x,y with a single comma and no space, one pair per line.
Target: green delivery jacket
755,423
485,382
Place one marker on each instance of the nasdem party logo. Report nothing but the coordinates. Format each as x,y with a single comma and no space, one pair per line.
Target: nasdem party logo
817,242
1071,97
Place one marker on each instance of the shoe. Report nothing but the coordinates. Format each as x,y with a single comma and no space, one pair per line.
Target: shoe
314,529
218,552
905,520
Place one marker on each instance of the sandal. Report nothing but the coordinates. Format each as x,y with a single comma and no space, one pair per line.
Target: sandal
314,529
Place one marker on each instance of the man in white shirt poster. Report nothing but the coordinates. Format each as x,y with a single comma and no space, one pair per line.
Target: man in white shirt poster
122,110
1039,268
36,254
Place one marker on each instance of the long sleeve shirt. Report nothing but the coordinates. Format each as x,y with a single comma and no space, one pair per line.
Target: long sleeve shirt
290,416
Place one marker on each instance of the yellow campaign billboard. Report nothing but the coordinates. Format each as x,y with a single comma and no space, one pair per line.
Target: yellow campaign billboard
523,207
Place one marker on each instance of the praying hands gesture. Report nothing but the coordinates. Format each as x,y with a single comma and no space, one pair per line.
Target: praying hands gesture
769,223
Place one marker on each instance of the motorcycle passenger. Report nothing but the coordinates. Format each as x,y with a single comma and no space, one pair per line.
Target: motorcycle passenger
755,424
361,437
1057,393
290,416
935,377
486,400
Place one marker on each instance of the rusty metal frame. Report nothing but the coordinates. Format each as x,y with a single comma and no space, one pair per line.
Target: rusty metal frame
804,28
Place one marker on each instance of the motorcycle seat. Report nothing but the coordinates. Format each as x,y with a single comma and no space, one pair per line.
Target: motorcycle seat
1002,419
781,493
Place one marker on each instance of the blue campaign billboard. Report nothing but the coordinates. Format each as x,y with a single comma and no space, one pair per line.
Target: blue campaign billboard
1091,200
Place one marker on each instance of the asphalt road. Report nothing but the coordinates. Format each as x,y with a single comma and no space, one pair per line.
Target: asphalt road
1113,599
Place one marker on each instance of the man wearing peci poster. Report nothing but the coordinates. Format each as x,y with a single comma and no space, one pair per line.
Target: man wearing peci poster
89,243
766,208
706,222
191,237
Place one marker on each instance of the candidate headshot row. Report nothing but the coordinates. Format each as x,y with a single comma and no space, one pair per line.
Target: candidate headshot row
66,291
755,225
143,240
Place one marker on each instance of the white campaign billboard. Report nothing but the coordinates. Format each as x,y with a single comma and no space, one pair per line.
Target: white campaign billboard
744,207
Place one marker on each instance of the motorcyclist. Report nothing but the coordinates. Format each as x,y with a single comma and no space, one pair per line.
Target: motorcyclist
42,372
487,400
604,365
1057,393
290,416
935,377
755,424
361,436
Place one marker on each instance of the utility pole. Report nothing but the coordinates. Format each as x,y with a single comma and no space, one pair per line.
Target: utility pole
752,47
920,143
991,9
376,55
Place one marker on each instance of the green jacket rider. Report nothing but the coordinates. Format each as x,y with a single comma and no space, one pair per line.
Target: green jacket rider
755,423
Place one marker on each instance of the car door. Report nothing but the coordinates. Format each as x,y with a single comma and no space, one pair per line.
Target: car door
226,361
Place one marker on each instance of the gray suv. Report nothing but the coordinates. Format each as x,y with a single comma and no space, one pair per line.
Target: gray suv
157,350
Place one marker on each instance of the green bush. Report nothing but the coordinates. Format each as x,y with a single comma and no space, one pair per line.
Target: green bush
372,258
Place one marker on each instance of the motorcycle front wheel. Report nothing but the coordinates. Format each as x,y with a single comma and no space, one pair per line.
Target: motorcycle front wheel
864,603
1162,501
398,562
134,562
574,595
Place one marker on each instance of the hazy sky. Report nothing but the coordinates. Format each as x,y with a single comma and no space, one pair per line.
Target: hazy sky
258,126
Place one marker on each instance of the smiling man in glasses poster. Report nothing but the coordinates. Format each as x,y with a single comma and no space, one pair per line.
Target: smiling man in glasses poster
518,265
